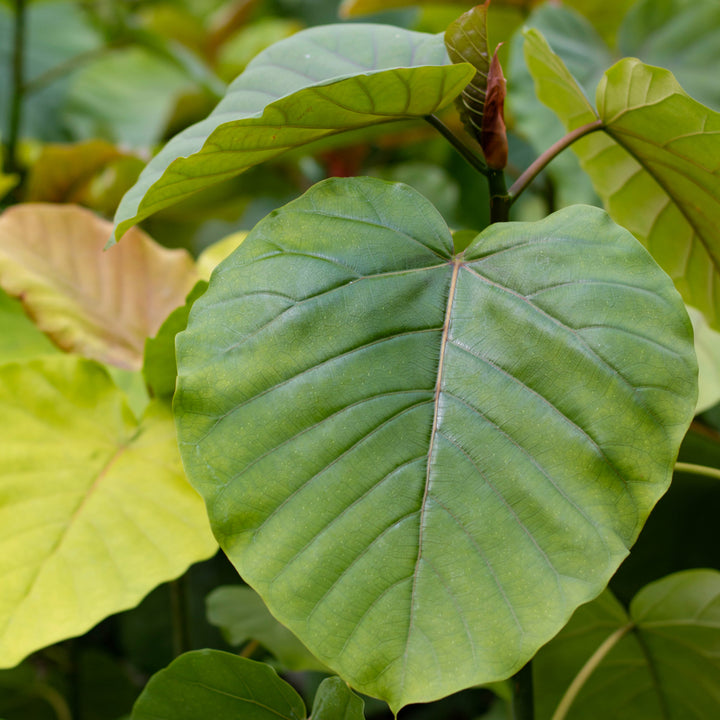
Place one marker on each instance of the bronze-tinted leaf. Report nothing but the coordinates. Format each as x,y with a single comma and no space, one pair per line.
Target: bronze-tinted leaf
493,138
98,304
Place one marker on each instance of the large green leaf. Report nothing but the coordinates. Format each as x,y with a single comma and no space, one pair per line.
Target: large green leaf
213,684
95,509
655,167
662,661
424,462
316,83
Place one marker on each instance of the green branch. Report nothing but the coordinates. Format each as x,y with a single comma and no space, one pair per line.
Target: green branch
466,151
17,90
523,707
692,469
550,154
588,669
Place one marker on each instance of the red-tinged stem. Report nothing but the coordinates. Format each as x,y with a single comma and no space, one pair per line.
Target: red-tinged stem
550,154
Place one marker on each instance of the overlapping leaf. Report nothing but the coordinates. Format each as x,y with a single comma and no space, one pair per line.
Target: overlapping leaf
95,509
656,167
221,686
102,305
218,685
442,455
316,83
665,665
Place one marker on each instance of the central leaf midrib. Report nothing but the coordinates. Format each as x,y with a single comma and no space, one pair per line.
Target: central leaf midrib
457,262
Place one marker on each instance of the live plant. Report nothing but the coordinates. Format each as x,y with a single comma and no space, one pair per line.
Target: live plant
428,449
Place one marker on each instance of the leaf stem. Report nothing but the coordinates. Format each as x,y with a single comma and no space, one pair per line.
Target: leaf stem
64,68
465,150
550,154
587,670
500,200
17,90
523,707
692,469
179,613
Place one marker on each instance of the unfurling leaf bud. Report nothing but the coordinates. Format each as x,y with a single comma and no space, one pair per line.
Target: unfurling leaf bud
493,138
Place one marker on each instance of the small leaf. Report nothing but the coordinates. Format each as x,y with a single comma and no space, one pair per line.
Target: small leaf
102,305
319,82
335,701
493,138
392,500
242,615
212,684
466,41
159,366
95,511
667,665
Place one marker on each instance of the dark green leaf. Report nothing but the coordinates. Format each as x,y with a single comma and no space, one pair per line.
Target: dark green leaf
209,684
335,701
666,665
441,456
159,366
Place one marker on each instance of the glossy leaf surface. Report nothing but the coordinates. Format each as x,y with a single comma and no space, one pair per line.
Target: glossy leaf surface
102,305
421,460
656,167
95,510
666,667
242,615
218,685
319,82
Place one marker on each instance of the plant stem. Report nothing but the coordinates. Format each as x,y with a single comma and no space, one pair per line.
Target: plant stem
587,670
16,99
55,73
550,154
697,470
467,152
179,613
522,694
500,200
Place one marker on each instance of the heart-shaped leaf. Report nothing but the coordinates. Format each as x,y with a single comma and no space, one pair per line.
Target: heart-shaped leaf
655,167
425,461
660,661
319,82
95,510
102,305
217,685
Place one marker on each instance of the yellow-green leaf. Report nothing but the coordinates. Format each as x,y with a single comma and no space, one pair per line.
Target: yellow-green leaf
95,509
